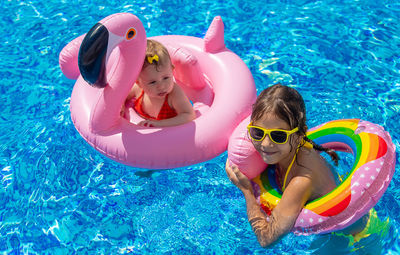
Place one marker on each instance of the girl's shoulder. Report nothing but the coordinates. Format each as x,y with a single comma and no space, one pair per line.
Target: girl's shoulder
176,94
135,92
310,155
309,161
315,167
176,90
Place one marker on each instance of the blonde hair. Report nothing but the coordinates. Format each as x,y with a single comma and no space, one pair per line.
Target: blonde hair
155,48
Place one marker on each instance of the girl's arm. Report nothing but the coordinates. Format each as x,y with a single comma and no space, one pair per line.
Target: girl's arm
283,217
135,92
182,106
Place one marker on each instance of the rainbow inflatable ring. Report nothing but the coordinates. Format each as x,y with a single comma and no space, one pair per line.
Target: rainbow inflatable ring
369,177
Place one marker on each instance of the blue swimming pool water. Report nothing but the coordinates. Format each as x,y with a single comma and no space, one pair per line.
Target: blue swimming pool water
59,196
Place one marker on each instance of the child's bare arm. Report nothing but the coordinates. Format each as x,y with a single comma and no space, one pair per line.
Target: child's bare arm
134,93
182,106
180,102
135,90
284,215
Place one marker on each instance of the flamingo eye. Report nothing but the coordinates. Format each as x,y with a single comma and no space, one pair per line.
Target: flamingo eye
130,34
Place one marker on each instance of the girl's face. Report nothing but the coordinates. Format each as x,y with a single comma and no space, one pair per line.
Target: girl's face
271,152
156,83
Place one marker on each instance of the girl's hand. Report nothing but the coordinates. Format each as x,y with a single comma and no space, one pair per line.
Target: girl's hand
148,123
237,178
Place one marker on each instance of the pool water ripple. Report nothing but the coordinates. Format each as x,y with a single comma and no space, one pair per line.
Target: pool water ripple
60,196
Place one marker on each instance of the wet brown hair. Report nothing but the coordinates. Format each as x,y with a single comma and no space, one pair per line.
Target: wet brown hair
287,104
156,48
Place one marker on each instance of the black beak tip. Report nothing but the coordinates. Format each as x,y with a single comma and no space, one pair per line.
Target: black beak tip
92,55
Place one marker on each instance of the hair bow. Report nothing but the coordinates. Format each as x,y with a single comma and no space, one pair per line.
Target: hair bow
150,59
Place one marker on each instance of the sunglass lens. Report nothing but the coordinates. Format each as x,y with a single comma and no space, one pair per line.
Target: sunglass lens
278,136
256,133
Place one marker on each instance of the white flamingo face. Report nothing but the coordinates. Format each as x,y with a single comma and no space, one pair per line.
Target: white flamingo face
123,30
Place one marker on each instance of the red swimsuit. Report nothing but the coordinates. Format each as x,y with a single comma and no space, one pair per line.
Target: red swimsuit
166,111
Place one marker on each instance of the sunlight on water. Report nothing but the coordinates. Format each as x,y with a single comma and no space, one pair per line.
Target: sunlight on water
60,196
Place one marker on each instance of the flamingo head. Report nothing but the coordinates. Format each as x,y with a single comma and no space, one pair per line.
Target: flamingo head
123,30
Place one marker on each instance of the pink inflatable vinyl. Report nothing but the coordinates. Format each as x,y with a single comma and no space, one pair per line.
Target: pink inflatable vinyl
242,153
215,79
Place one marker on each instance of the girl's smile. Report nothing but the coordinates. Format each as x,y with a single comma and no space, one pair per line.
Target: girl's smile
271,152
267,153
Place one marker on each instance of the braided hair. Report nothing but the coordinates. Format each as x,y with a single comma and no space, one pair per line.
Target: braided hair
287,104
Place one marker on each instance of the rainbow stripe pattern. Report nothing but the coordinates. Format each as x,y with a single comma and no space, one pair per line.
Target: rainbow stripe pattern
369,177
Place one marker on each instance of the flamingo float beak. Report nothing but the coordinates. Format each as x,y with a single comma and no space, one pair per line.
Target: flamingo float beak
92,56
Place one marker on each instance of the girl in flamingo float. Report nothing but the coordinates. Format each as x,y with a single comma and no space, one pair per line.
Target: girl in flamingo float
108,60
155,96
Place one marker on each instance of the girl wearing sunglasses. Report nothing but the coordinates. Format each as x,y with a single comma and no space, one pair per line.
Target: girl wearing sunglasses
278,132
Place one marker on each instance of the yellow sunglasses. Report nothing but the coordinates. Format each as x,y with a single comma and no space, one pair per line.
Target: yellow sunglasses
278,136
